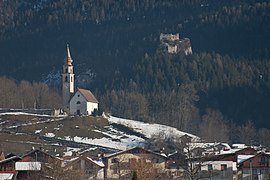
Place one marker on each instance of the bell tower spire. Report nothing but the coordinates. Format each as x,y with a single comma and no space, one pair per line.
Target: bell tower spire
68,60
67,80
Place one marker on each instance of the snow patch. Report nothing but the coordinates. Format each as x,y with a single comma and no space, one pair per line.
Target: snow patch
120,144
49,135
38,131
150,130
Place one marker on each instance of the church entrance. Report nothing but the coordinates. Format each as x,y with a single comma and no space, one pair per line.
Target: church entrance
78,112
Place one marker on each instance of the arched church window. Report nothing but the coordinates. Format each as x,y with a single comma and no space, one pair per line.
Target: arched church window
70,79
66,71
78,102
66,79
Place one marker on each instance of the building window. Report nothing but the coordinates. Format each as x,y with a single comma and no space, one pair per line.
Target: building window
66,79
78,95
78,102
254,171
70,79
136,151
210,167
66,71
223,167
263,160
115,160
264,171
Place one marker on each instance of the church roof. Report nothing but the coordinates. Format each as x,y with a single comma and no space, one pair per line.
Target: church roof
88,95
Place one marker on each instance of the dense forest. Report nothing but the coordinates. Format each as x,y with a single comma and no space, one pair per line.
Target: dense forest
225,82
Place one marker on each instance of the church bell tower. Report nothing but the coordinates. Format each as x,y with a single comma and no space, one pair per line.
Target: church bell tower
67,81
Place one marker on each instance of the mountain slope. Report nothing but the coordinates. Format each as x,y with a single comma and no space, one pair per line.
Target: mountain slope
119,33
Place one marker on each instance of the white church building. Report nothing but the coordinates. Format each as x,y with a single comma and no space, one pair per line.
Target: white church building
81,102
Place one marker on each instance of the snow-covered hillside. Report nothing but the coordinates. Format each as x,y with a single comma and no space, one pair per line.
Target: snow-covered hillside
86,132
150,130
121,140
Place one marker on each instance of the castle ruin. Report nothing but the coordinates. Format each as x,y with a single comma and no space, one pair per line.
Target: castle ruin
173,44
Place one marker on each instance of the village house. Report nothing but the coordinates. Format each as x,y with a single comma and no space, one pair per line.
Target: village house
123,164
38,155
81,102
7,166
225,163
33,162
222,166
91,167
255,167
176,164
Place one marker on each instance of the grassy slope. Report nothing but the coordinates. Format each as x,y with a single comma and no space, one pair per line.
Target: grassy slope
18,131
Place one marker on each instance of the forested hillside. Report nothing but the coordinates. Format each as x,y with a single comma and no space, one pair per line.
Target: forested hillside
33,34
116,43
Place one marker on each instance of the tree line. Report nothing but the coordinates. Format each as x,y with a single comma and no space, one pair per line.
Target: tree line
27,95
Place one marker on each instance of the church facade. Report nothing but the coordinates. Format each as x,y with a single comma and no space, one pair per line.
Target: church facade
81,102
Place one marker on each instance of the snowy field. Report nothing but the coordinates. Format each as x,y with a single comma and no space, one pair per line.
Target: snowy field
150,130
120,140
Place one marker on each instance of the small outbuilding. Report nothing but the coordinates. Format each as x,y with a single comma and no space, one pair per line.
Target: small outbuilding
83,103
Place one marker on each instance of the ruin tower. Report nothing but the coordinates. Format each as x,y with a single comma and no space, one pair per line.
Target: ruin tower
67,81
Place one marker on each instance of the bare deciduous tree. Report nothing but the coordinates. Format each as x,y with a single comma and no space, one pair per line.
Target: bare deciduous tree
264,137
144,170
213,127
27,95
247,133
54,170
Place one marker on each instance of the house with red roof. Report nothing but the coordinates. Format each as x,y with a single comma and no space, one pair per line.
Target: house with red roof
255,167
7,166
91,167
124,163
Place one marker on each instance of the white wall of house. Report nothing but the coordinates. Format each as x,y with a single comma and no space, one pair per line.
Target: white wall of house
79,105
28,166
217,165
100,174
90,106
